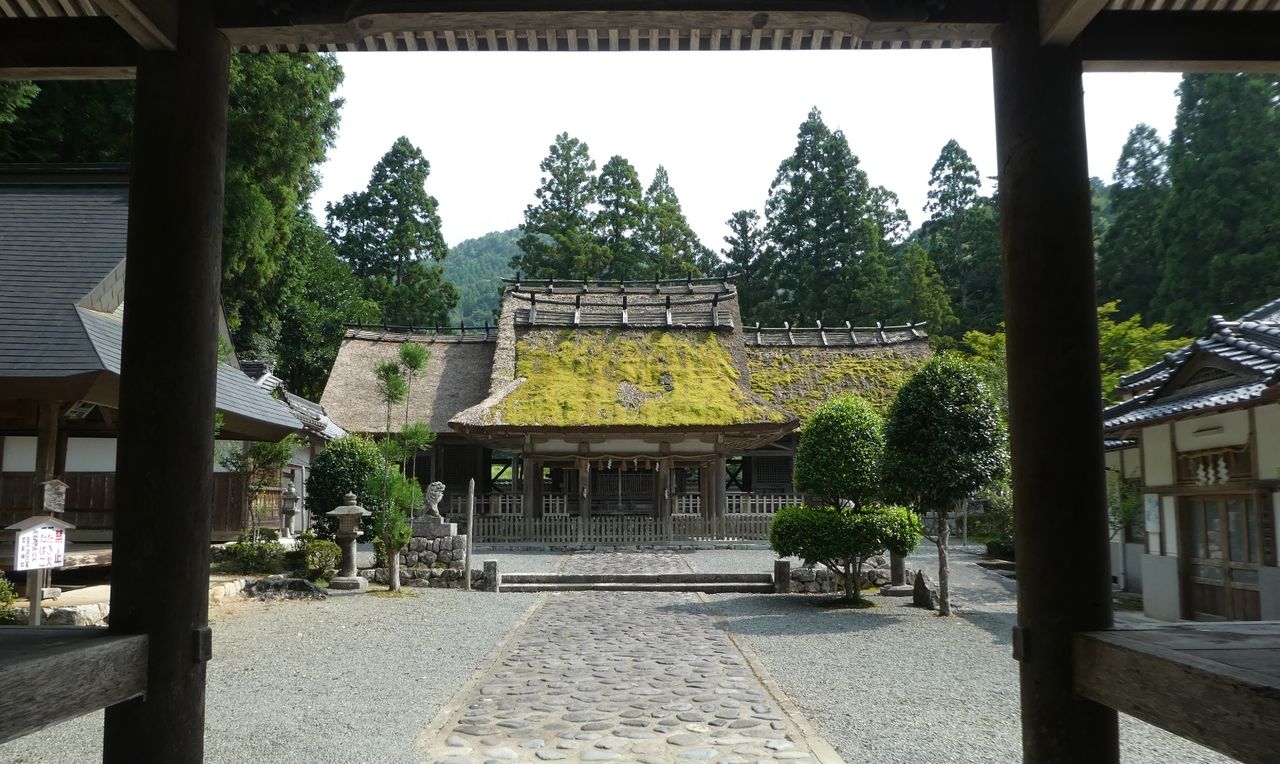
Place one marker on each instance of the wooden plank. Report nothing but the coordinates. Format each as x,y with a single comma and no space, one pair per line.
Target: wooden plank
1182,41
80,48
1229,708
54,673
152,23
1062,21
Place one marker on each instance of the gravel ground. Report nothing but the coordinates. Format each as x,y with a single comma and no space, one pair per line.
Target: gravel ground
895,683
269,704
517,562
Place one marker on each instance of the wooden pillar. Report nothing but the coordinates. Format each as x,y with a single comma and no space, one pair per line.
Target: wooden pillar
720,480
1054,388
46,450
167,389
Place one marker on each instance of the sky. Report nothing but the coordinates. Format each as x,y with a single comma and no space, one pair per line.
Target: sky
719,122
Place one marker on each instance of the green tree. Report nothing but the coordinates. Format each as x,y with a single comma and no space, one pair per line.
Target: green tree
842,538
944,441
823,221
257,467
921,293
15,95
838,459
390,235
670,247
558,235
390,522
617,223
1220,225
962,239
741,257
323,296
1129,252
68,121
344,466
476,267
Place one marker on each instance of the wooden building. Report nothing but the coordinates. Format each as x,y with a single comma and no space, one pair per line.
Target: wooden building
620,411
1217,686
62,286
1200,441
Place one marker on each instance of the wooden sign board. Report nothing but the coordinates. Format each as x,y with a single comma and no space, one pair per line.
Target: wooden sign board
55,496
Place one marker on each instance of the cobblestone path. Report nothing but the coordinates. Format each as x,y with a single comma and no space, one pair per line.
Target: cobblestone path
635,677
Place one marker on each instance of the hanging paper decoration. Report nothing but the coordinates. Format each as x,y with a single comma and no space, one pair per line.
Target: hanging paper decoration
1224,474
1202,477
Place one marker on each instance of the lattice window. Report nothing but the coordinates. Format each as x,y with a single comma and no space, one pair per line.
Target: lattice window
1207,375
771,472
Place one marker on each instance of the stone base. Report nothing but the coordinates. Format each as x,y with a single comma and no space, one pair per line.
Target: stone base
434,527
901,590
353,583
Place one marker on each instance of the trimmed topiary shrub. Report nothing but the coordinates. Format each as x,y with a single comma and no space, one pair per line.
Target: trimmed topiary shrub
842,538
344,466
840,450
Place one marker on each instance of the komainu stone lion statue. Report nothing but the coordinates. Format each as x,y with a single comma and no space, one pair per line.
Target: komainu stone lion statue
435,492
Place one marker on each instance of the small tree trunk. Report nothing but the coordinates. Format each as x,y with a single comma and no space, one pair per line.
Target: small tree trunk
851,593
393,570
897,569
944,579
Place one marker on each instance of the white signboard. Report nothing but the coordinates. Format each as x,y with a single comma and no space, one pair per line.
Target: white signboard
43,546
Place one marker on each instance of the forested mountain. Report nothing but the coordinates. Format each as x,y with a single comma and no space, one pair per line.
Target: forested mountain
475,267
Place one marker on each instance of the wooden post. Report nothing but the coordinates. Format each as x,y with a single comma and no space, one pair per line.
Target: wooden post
471,532
46,456
584,496
720,482
1054,388
167,389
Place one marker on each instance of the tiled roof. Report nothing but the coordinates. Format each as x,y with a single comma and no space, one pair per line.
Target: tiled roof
57,242
1249,348
1112,444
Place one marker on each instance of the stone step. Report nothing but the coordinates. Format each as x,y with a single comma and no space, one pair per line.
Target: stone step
707,587
637,578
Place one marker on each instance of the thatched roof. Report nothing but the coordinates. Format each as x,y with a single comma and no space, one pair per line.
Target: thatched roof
456,377
799,378
577,362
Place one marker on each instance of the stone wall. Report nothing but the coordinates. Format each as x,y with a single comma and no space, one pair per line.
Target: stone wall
817,579
430,562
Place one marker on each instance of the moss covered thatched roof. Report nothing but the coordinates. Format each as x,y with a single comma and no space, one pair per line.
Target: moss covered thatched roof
627,377
799,379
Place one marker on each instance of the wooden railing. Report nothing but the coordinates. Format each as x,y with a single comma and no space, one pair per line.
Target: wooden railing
760,503
619,529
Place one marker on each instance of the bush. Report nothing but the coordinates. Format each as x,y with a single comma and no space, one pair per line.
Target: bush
841,539
8,595
262,557
840,452
264,534
343,467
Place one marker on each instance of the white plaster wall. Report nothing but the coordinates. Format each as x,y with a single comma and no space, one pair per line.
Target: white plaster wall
1169,523
1132,460
1113,460
19,453
1267,429
1161,591
1133,567
91,455
1213,431
1157,456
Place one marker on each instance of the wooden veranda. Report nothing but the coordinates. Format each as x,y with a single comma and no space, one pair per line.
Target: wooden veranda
149,670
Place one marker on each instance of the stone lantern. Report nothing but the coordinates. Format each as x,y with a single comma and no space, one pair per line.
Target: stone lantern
348,516
288,508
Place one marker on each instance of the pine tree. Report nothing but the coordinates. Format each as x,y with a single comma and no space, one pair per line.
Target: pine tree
622,213
823,221
390,235
559,238
670,247
742,258
921,294
1220,226
1129,253
961,237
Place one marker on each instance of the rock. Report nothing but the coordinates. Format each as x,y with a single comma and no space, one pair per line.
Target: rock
876,577
803,575
287,588
924,594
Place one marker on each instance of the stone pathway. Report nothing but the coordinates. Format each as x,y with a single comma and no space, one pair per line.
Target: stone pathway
637,677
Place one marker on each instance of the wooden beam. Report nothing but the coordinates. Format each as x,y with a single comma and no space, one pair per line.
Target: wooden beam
1046,240
1182,41
55,673
152,23
1061,21
80,48
1191,681
165,463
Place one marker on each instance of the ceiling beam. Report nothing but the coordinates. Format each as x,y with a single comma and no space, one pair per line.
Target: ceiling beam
1182,41
152,23
66,49
1061,21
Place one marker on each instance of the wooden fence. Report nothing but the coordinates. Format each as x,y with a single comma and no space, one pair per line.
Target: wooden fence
619,529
